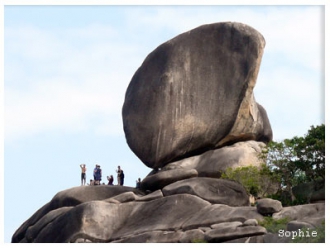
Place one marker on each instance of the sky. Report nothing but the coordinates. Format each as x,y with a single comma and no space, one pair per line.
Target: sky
67,68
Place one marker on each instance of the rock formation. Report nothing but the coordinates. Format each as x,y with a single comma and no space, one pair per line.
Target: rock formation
189,113
269,206
212,162
123,214
194,93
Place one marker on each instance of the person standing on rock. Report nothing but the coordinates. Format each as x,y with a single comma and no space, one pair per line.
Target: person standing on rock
83,174
122,178
138,184
110,180
118,171
97,174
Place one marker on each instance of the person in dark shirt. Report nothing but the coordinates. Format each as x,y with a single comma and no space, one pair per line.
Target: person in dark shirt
122,176
97,174
110,180
138,184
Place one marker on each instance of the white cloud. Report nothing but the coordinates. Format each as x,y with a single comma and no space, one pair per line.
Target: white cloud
68,84
62,78
59,104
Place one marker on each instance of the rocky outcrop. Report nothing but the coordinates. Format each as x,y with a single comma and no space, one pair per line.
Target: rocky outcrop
156,217
194,93
165,177
268,206
189,113
232,232
70,198
213,162
212,190
309,213
296,225
173,218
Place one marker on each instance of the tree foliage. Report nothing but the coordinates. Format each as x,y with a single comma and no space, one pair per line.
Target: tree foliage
288,164
258,181
298,160
311,153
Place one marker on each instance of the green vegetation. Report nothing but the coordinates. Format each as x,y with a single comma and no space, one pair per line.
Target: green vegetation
297,160
272,225
257,181
288,163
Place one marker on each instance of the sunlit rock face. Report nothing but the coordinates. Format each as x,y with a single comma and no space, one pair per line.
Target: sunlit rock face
194,93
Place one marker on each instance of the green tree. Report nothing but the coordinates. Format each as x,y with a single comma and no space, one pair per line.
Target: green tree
281,159
298,160
311,153
258,181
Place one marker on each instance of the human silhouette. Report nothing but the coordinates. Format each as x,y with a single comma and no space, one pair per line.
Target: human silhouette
118,171
110,180
122,176
138,184
83,174
97,174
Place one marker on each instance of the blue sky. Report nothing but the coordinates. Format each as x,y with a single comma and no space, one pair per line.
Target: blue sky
67,69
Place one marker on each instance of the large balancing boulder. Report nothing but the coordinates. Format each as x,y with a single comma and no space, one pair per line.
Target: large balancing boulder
195,93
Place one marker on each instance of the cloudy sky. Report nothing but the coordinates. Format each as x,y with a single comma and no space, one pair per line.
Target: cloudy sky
67,69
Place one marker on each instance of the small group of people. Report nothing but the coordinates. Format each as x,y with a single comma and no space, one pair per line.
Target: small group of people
97,174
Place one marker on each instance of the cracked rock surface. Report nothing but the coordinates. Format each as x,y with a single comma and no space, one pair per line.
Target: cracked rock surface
171,218
125,215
